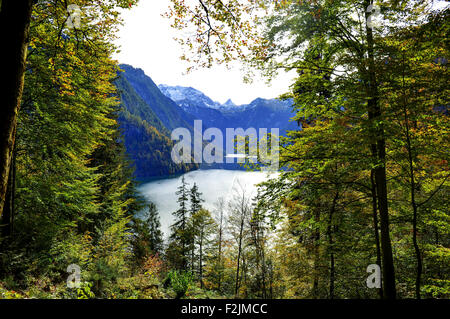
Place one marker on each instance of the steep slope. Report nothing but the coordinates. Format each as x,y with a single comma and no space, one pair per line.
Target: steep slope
197,104
136,106
180,94
147,140
263,113
260,113
167,111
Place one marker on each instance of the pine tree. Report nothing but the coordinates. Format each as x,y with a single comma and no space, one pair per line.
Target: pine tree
147,235
195,206
195,199
179,246
156,239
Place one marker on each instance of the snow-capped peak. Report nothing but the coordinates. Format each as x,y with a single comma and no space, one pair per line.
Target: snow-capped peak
229,103
181,94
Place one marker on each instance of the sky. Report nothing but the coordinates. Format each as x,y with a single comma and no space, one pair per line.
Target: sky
146,42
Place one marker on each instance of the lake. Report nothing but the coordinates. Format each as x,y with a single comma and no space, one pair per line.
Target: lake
212,184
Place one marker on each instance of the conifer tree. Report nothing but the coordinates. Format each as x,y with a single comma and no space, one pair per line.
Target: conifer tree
179,237
195,205
148,238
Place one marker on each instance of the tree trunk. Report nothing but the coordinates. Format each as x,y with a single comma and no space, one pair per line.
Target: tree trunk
15,16
220,250
263,271
413,191
330,245
388,260
241,230
416,245
375,224
315,290
201,260
374,112
192,255
7,219
244,276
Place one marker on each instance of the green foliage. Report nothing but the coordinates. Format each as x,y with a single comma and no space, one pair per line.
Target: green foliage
146,138
147,236
180,282
180,237
84,292
74,185
309,233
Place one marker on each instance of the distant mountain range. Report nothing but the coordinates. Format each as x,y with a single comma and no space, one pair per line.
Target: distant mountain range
260,113
149,113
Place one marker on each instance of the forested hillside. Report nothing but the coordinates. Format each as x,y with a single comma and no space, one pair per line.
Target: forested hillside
71,195
146,139
167,111
359,209
165,108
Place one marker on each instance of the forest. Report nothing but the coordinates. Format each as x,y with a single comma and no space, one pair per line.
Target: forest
364,180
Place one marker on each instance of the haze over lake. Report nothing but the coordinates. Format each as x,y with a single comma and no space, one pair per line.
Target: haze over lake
212,184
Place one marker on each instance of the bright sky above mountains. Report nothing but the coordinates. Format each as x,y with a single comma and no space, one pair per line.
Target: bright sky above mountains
146,41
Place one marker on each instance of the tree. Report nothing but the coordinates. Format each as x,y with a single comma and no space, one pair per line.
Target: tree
203,227
238,221
220,30
195,206
148,236
336,37
74,184
156,240
413,91
220,221
331,104
258,233
180,231
195,199
15,16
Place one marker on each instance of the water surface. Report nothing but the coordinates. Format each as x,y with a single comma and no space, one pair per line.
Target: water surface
212,184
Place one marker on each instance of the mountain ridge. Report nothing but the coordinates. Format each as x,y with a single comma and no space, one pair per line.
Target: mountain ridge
149,113
259,113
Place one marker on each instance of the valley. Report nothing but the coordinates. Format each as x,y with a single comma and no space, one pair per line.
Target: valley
149,113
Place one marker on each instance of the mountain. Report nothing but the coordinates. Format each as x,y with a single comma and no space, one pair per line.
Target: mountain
260,113
228,104
196,104
168,112
146,136
263,113
149,113
182,94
